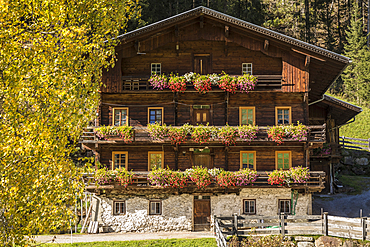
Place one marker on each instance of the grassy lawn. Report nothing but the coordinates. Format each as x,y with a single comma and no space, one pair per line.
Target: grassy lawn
205,242
357,182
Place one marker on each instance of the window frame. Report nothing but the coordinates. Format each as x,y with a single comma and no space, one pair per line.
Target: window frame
247,66
255,209
156,108
155,152
150,207
114,114
160,68
283,108
126,161
241,159
114,207
289,203
247,108
276,159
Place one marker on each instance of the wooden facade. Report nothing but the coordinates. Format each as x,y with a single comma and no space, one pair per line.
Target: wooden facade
291,75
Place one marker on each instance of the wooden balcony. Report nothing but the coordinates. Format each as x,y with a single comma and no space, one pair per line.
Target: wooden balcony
316,134
141,83
316,183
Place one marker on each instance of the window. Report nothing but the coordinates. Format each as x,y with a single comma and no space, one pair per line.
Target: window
155,114
249,206
155,207
247,115
246,68
248,160
120,116
283,115
284,206
119,207
155,160
120,159
156,68
283,159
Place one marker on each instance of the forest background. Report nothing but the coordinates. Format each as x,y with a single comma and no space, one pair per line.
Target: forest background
340,26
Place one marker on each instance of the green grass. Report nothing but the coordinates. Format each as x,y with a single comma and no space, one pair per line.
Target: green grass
204,242
357,182
361,127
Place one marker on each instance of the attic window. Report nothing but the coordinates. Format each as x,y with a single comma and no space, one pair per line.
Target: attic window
246,68
156,68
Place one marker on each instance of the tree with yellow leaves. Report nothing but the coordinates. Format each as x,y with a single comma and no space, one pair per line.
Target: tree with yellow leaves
51,56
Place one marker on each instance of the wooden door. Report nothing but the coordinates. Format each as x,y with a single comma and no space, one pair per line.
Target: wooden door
201,116
203,160
202,64
202,214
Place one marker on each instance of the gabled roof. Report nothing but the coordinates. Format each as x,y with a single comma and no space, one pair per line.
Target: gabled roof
341,111
232,20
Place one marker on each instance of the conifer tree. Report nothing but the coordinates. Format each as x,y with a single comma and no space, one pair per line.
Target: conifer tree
356,77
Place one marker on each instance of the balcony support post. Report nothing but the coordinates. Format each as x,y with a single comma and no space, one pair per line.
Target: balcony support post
176,157
227,107
226,158
175,99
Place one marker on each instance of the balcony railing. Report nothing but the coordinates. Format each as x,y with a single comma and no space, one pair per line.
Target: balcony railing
140,181
316,133
135,83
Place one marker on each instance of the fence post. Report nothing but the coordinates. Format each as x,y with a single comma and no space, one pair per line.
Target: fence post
282,224
363,224
236,224
368,146
325,233
343,142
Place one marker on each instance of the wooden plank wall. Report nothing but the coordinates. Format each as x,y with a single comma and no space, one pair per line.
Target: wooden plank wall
264,104
227,53
138,156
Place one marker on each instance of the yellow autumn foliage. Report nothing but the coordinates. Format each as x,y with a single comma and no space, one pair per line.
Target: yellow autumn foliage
51,57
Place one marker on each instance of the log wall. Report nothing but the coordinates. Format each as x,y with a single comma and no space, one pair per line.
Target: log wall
264,104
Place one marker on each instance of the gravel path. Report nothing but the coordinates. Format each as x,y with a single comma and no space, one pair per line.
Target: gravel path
342,204
78,238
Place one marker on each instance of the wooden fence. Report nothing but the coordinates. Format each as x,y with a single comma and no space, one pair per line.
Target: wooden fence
355,143
354,228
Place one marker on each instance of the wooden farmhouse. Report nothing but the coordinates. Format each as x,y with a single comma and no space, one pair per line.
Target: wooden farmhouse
292,77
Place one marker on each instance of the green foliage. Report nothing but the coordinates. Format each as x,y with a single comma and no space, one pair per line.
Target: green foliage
157,131
167,178
125,132
124,177
202,242
356,77
296,133
202,134
227,135
200,176
286,177
51,58
260,241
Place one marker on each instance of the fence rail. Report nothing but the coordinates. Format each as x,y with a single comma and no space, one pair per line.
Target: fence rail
354,228
355,143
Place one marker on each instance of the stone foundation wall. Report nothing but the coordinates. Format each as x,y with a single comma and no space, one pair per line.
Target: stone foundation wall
176,215
177,210
266,202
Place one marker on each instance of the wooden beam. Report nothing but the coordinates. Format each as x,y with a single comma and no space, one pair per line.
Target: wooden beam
266,45
177,30
307,62
201,21
227,31
304,53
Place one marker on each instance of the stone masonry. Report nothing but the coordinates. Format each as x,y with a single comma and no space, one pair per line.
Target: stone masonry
177,210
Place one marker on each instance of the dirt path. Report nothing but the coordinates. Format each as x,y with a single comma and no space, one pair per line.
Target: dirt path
343,204
65,238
